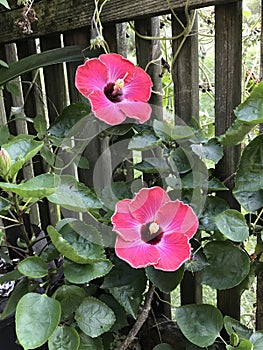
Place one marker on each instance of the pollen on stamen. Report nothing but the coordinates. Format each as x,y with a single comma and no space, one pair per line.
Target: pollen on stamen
119,83
154,227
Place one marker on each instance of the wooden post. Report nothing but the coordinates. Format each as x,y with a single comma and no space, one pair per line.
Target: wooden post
228,58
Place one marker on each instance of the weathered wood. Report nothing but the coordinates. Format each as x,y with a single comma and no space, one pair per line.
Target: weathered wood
228,58
57,17
186,69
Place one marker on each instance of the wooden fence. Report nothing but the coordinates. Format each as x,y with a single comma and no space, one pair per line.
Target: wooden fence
73,19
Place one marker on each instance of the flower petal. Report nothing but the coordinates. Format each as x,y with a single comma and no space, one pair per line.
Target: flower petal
147,202
117,67
92,75
139,88
136,109
137,253
104,109
174,250
124,223
178,217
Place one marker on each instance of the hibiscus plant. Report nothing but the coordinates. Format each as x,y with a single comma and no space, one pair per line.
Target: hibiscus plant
87,280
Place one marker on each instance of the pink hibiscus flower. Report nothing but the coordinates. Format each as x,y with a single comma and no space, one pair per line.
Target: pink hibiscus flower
153,230
116,88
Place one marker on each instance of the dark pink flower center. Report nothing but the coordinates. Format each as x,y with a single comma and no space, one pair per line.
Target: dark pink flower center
150,235
113,94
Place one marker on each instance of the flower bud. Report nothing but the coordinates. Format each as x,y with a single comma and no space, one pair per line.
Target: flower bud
5,162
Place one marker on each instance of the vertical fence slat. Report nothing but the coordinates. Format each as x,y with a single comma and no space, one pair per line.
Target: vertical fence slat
186,69
228,58
186,105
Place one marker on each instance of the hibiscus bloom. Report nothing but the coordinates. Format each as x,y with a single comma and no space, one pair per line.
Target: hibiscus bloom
116,88
153,230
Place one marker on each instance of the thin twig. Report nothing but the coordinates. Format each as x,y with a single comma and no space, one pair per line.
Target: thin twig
140,320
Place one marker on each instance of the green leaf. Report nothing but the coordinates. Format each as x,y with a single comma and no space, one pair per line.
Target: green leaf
48,155
251,110
163,130
213,206
257,340
165,281
75,247
144,141
211,150
120,314
47,58
233,225
4,205
197,263
21,288
179,161
10,276
4,134
13,88
114,192
231,325
3,63
243,345
183,132
200,324
64,338
152,165
94,317
120,129
229,265
84,273
163,346
73,195
37,187
126,285
70,116
249,179
88,343
33,267
5,4
235,134
37,316
69,297
21,150
40,125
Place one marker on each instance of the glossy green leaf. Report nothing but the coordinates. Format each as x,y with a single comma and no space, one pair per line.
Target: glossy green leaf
47,58
179,161
243,345
152,165
235,134
37,316
73,195
21,288
251,110
144,141
165,281
88,343
4,204
70,116
119,312
213,206
33,267
37,187
229,265
120,129
163,130
249,179
231,325
75,247
211,150
64,338
10,276
94,317
200,324
257,340
21,150
233,225
70,297
84,273
126,285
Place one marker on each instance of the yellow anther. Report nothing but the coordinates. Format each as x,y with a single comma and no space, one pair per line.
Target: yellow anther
119,83
153,228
